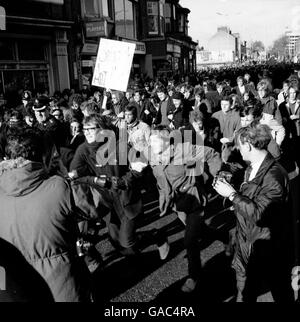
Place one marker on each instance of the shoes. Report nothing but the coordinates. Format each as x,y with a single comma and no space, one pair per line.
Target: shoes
189,285
164,250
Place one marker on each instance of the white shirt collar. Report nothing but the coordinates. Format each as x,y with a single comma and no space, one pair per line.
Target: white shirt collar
255,167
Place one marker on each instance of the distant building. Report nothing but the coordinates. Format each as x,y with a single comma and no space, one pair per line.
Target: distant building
202,57
170,49
222,46
292,40
227,47
297,50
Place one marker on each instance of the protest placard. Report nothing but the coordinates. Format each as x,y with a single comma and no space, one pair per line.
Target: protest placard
113,64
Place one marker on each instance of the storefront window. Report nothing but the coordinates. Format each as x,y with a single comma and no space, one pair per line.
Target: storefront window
27,67
1,90
7,50
31,50
17,79
176,63
41,79
124,19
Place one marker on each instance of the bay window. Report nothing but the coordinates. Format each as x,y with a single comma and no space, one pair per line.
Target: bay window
152,11
168,17
125,13
156,20
181,23
97,8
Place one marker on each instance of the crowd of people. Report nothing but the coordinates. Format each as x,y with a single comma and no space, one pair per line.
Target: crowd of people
71,159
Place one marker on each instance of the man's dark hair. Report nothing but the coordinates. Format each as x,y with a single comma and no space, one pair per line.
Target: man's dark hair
240,78
131,108
92,108
77,98
28,145
100,121
16,114
161,89
199,91
251,108
227,98
258,135
139,91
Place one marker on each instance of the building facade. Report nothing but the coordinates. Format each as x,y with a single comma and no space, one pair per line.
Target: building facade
297,51
169,48
293,38
226,47
159,28
112,19
223,46
52,44
35,46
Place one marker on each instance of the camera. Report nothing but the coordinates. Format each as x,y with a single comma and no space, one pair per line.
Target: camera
226,175
103,181
82,247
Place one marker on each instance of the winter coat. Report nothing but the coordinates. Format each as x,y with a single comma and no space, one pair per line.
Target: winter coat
292,126
37,217
281,98
170,106
181,182
261,209
270,107
88,163
53,129
148,112
229,122
179,117
138,135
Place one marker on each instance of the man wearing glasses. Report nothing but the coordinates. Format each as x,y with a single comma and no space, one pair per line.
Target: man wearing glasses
97,162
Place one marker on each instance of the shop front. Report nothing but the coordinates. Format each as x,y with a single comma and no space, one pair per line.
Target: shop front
138,64
87,62
24,64
33,58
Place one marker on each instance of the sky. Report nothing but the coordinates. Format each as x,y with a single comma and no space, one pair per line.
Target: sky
264,20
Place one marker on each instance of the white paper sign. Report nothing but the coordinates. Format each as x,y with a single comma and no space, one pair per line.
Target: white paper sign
2,19
113,64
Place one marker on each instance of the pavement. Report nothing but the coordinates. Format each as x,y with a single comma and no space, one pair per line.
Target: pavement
149,279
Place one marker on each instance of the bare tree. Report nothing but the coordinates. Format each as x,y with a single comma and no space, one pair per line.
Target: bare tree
279,46
257,46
